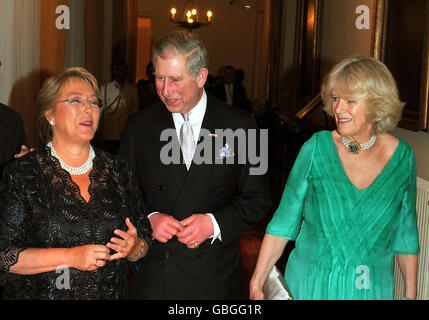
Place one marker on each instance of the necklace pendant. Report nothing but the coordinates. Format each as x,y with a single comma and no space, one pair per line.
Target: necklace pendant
354,148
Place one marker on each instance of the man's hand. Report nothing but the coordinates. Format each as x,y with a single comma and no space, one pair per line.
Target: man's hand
164,226
198,228
24,151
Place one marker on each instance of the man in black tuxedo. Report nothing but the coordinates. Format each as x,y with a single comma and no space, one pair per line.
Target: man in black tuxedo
12,135
231,91
197,211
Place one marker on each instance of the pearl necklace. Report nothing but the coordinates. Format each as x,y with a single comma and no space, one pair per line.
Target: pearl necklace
355,148
74,171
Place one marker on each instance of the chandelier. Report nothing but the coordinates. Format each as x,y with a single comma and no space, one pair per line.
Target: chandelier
190,18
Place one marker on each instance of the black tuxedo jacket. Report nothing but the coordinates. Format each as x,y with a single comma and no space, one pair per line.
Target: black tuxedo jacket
236,199
12,135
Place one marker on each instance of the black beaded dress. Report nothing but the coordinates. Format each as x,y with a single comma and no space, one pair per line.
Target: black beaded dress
41,207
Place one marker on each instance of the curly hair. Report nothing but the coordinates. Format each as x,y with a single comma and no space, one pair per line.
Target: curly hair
367,79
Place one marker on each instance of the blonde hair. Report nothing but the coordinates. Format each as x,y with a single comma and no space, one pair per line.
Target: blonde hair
48,95
368,79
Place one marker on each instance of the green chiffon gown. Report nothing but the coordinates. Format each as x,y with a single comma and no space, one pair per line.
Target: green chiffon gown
346,238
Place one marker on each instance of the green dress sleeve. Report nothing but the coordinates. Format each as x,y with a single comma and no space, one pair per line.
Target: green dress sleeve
406,239
286,221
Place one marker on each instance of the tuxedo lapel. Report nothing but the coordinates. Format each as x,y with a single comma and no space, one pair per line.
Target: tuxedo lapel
209,122
171,173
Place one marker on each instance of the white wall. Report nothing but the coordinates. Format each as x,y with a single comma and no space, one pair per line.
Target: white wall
419,141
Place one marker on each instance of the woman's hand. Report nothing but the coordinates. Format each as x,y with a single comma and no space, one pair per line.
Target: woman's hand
255,292
127,245
89,257
255,288
271,250
409,266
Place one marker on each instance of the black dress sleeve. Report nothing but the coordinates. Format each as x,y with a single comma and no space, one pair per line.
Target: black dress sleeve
15,218
137,209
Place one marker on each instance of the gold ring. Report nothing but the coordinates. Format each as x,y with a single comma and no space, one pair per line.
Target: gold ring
196,244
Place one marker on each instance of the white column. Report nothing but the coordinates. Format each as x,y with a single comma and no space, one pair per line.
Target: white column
75,42
6,36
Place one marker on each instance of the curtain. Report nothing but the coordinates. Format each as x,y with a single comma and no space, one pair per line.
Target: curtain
20,57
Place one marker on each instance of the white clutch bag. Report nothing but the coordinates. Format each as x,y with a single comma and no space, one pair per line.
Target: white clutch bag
275,287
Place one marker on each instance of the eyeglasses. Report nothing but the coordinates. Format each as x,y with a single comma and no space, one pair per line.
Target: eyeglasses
96,103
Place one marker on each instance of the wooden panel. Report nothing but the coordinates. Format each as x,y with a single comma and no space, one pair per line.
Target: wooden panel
94,44
401,41
52,40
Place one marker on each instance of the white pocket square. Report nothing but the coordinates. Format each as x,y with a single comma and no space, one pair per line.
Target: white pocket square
225,152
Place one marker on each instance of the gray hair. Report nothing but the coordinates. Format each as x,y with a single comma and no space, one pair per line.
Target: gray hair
185,43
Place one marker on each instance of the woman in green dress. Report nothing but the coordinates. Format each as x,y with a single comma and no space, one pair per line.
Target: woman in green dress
349,202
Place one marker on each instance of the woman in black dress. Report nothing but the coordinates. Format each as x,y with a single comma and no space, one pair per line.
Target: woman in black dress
70,214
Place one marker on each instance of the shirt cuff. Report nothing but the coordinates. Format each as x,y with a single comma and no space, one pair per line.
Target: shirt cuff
152,213
216,229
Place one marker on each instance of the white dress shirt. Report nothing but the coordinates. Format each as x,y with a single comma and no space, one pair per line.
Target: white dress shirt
196,117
